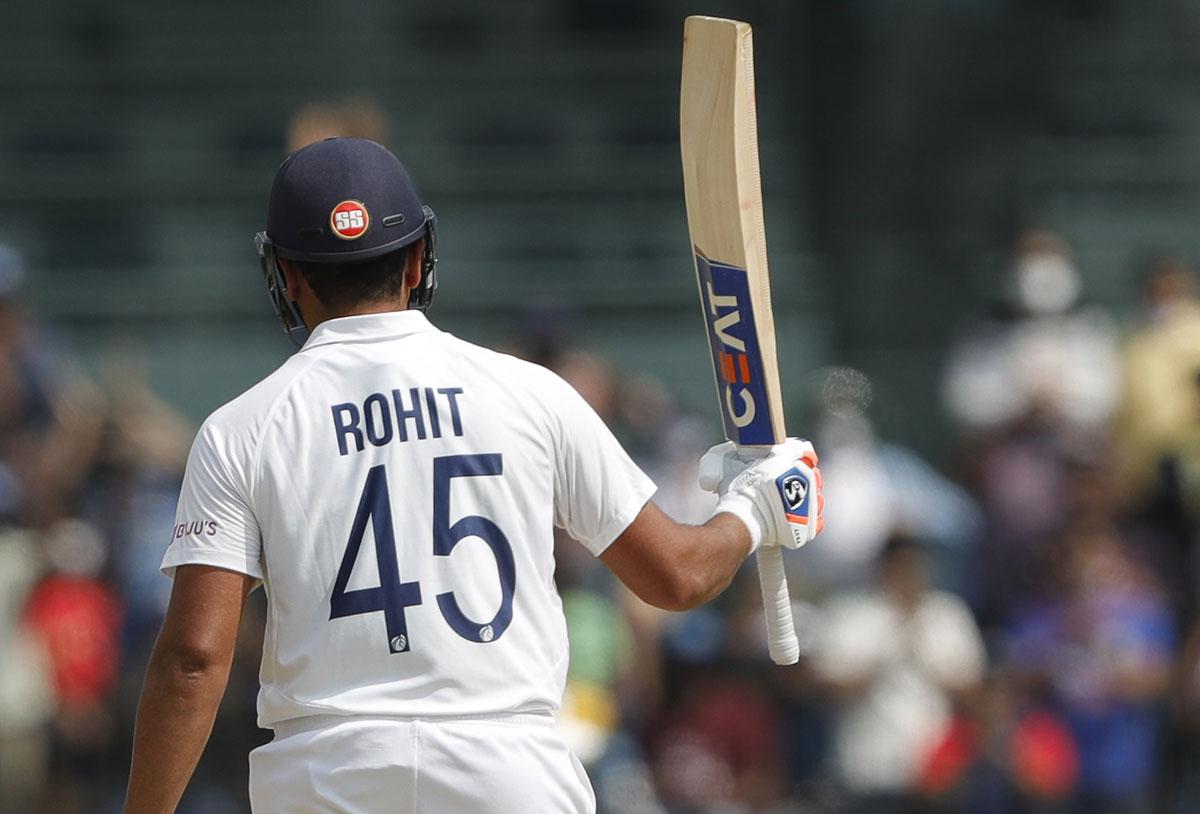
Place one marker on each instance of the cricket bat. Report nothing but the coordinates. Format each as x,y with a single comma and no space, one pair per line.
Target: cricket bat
718,137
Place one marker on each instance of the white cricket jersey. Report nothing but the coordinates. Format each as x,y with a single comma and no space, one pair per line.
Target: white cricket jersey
396,489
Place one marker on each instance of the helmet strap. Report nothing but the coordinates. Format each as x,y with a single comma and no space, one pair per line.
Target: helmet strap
277,291
421,297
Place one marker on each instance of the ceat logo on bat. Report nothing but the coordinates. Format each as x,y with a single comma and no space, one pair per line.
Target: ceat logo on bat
736,354
349,219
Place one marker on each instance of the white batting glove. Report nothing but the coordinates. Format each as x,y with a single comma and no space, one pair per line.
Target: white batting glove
777,496
719,466
722,463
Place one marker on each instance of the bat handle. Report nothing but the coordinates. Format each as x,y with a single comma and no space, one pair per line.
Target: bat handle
777,604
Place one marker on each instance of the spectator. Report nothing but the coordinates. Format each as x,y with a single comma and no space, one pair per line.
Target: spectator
27,373
1028,383
898,658
1182,757
1159,420
720,743
26,689
358,116
132,487
39,429
874,487
1044,355
1102,648
76,618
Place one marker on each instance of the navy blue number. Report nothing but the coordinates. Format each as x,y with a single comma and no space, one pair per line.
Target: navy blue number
392,596
447,536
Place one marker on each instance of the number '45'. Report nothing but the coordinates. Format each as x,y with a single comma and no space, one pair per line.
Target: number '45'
393,595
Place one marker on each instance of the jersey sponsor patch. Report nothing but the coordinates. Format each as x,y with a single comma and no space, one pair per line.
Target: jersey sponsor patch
205,527
349,219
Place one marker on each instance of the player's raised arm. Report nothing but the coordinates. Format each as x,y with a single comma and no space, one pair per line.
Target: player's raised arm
184,683
675,566
774,501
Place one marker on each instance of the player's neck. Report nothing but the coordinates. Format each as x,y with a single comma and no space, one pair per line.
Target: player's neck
363,309
371,308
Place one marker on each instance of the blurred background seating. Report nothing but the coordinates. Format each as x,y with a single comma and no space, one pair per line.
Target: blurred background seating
982,221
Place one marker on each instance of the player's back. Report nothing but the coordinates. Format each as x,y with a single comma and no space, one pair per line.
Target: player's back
405,485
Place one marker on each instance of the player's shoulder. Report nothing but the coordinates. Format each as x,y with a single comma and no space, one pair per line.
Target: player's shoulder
515,372
243,416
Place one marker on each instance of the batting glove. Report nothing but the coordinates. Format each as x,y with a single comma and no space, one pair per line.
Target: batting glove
776,495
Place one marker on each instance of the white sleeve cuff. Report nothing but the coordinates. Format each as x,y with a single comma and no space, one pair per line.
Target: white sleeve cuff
178,555
622,519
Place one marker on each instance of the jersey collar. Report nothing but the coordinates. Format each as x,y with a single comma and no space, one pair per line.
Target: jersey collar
369,328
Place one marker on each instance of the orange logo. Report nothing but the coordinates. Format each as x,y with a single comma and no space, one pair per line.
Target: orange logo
349,220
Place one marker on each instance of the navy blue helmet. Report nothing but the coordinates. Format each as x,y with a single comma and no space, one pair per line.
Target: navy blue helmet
342,200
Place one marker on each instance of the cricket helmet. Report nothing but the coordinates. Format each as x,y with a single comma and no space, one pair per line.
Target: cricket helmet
342,200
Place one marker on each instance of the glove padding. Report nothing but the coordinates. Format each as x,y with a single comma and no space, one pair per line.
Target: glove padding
777,495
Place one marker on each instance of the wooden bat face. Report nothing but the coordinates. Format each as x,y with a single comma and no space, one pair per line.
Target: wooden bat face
719,149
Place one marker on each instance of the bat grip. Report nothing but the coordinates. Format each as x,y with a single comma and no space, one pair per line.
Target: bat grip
777,604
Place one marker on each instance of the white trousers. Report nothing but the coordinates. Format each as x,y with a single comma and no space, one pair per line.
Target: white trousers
399,766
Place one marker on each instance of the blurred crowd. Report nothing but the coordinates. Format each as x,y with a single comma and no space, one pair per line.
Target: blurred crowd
1013,630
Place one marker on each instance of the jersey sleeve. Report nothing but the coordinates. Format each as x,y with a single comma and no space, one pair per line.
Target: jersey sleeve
214,522
598,489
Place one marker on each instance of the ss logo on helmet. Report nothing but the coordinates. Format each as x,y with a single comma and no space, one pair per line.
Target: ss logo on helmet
794,489
349,219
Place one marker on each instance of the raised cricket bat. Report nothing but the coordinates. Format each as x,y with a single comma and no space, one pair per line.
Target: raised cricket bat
718,137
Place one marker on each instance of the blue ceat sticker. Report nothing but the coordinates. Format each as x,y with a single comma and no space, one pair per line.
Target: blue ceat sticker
737,358
793,490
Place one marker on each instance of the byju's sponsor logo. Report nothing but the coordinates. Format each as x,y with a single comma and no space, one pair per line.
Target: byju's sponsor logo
206,528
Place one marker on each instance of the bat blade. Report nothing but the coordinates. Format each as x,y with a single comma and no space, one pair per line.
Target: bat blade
723,191
719,147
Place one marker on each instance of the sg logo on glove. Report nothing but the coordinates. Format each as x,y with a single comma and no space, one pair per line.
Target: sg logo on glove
793,488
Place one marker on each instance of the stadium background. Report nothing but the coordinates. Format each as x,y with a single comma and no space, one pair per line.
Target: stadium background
905,148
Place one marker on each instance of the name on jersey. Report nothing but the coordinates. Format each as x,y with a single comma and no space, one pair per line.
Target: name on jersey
423,412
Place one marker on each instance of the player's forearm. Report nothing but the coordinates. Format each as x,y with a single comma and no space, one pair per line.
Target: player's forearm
675,566
713,556
175,717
